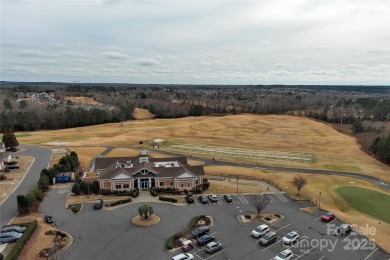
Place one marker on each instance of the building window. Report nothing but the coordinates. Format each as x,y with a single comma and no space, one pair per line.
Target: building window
118,186
171,183
125,186
197,182
189,184
182,185
161,184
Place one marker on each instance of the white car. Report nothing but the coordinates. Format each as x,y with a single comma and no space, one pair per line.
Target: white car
213,198
260,231
185,256
284,255
290,238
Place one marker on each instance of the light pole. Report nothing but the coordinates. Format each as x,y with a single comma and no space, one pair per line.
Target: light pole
237,183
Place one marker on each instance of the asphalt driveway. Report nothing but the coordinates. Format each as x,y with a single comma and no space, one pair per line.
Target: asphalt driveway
101,234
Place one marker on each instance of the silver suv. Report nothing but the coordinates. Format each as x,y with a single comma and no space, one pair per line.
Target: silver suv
212,247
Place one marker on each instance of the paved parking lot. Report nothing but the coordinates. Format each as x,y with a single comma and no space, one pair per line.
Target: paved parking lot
101,234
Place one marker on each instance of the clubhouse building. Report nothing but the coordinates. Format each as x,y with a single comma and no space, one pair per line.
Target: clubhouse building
145,172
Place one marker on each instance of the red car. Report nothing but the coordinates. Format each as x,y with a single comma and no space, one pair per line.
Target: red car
328,217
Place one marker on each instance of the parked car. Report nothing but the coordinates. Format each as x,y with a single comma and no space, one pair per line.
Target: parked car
327,217
48,219
213,198
10,163
10,237
260,231
6,170
185,256
200,231
190,199
284,255
98,204
290,238
205,239
18,229
227,198
212,247
268,238
203,199
343,229
13,166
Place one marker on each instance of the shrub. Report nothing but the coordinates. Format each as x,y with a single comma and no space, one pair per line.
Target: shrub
153,192
125,194
75,208
168,199
171,240
118,202
194,220
2,177
43,183
38,194
95,186
76,189
267,218
135,193
13,255
247,216
105,192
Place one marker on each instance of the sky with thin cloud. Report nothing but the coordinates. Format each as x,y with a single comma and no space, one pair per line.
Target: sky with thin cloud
196,42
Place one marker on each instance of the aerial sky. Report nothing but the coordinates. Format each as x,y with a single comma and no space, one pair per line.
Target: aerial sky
196,41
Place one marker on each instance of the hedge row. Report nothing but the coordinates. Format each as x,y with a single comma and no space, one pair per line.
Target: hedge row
191,224
115,203
171,240
167,199
13,255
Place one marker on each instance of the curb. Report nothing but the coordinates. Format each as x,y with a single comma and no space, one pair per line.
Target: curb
64,248
145,226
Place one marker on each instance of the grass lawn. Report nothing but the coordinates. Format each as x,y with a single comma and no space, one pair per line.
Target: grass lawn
370,202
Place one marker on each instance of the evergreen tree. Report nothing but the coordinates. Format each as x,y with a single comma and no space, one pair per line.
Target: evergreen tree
22,204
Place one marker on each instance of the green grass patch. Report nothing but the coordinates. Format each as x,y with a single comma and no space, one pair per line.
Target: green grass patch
370,202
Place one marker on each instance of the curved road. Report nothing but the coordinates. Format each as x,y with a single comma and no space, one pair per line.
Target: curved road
373,180
8,208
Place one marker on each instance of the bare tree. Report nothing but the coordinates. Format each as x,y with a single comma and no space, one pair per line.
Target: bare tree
299,182
259,202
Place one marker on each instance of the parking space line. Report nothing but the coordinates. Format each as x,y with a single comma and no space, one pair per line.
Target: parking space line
272,199
281,197
347,237
282,228
371,253
321,257
276,242
214,254
359,244
318,218
329,222
305,253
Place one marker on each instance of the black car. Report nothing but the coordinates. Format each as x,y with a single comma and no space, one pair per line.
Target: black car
205,239
203,199
12,166
48,219
190,199
98,204
200,231
227,198
268,238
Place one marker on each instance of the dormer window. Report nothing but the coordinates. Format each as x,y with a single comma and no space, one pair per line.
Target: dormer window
143,159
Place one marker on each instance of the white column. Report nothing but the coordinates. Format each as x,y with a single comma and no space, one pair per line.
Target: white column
150,183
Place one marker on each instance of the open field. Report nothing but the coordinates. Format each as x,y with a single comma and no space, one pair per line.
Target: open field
83,100
279,134
142,114
370,202
285,134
